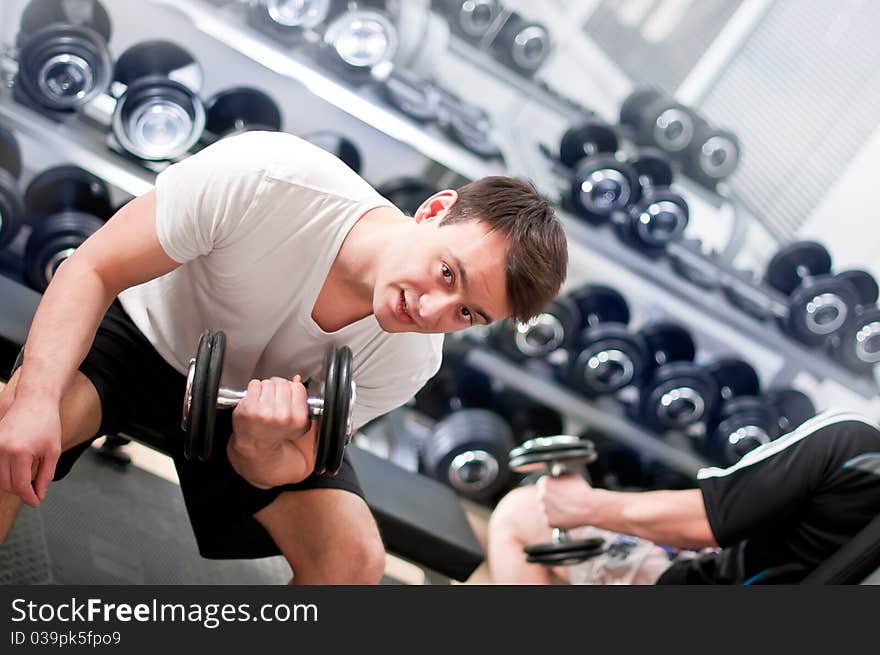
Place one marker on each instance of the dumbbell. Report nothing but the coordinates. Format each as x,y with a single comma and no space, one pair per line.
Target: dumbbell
792,407
66,205
467,124
11,209
522,45
617,467
333,407
456,386
712,156
601,184
412,94
241,109
691,261
527,417
554,328
407,193
289,23
819,304
677,394
657,120
467,450
472,19
557,456
745,419
339,145
658,215
159,116
857,346
63,60
360,45
607,355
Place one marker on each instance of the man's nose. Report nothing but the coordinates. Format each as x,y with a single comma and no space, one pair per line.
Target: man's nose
434,306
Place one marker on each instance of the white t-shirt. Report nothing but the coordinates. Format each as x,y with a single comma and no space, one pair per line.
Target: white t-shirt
256,221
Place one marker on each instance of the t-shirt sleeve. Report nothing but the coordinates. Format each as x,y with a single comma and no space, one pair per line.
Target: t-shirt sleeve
203,198
383,388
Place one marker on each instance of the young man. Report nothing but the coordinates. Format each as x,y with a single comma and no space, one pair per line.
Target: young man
776,514
283,247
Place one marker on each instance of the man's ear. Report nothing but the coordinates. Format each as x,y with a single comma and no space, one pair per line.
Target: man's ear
437,206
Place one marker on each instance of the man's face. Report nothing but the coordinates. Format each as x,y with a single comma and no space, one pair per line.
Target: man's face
441,279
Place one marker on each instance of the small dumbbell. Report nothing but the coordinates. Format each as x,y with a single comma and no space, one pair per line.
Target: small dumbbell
601,184
66,205
472,19
677,394
659,215
63,60
552,329
241,109
333,407
712,156
819,303
522,45
360,44
467,124
468,451
657,120
413,95
557,456
857,346
11,209
607,355
159,116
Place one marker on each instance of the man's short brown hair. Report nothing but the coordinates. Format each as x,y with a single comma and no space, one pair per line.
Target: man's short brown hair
537,251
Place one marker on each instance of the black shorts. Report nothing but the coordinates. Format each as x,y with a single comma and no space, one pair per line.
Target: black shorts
141,396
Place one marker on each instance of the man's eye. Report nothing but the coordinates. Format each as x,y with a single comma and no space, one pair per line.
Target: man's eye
466,313
446,272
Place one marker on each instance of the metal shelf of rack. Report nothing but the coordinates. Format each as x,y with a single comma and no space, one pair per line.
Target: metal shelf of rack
570,404
355,102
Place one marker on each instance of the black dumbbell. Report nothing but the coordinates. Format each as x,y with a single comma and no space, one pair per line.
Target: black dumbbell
557,456
11,209
658,120
601,184
333,407
457,385
527,417
360,45
467,124
63,60
408,193
472,19
522,45
554,328
339,145
677,394
712,156
413,95
792,407
659,215
617,466
819,304
289,23
745,419
159,116
241,109
66,205
857,346
607,355
468,451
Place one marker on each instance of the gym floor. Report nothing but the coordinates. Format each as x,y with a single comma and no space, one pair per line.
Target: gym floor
21,551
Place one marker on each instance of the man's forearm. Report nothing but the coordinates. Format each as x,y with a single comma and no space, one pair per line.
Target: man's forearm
674,518
62,331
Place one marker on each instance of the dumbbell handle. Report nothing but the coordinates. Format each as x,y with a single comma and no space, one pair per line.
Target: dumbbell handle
557,470
229,399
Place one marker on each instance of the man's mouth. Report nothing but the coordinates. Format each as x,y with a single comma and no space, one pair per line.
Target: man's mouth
403,310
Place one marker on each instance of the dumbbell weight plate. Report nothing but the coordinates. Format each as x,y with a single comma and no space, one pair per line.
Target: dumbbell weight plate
864,283
87,13
678,396
241,109
586,139
412,95
554,328
632,107
669,342
287,22
408,193
601,186
713,155
66,187
745,427
468,451
666,124
653,166
10,153
859,344
657,219
598,303
536,453
158,58
197,402
63,67
565,553
361,44
734,377
819,309
52,241
611,358
793,407
522,45
794,261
